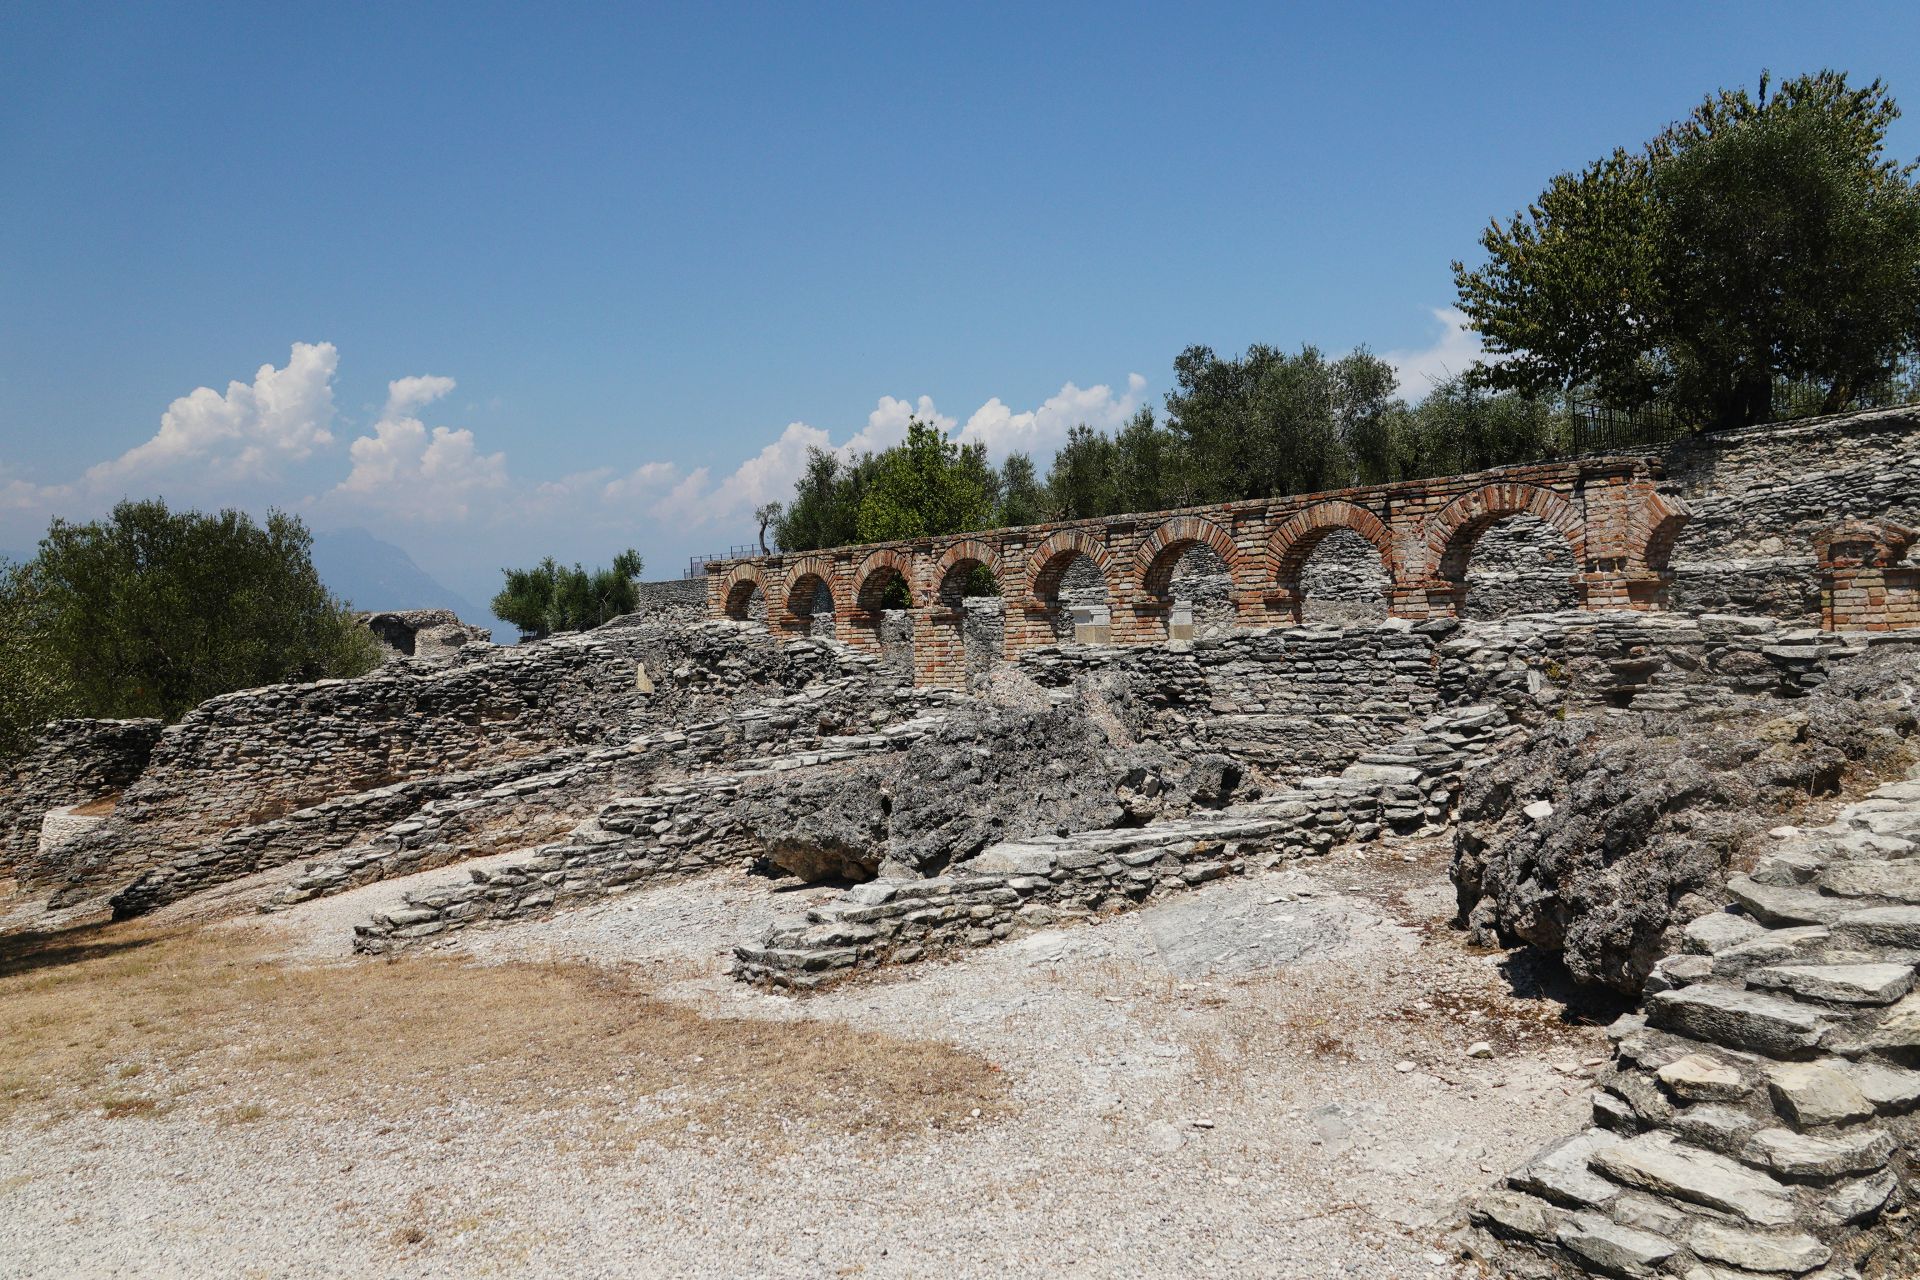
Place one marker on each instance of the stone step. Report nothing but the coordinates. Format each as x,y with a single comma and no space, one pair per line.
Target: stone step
1782,905
1805,1155
1616,1250
1774,946
1739,1019
1560,1172
1880,927
1891,1090
1793,1252
1814,1094
1655,1162
1839,983
1897,880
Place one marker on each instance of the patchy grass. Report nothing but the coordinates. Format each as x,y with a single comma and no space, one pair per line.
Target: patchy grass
217,1025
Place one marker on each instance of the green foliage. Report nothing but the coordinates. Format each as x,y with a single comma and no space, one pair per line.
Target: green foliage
550,597
926,486
1271,423
150,612
1461,426
1142,468
825,508
34,686
1762,243
1023,499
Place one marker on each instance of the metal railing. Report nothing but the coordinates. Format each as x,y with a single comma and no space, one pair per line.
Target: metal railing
1593,427
697,565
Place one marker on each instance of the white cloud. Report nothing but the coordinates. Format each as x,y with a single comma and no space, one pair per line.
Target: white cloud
407,470
1451,352
1042,430
283,415
691,499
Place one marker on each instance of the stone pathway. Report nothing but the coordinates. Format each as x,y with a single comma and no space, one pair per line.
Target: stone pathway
1757,1119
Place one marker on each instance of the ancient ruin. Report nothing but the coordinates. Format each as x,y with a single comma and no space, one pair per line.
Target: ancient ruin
1663,708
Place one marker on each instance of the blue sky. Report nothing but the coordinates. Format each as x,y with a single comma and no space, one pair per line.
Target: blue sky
494,282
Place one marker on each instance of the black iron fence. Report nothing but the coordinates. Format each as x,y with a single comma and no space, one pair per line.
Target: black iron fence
1593,427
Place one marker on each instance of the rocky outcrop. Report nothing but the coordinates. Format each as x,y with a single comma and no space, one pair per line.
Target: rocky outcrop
1758,1119
430,635
982,775
1034,882
1601,834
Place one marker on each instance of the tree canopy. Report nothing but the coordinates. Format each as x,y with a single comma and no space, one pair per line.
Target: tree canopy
550,597
150,612
1764,242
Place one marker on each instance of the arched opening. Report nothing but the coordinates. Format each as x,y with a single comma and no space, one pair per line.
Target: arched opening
882,614
809,604
1083,611
968,618
1202,590
1342,581
1519,564
1331,564
1519,573
745,601
1161,604
1068,599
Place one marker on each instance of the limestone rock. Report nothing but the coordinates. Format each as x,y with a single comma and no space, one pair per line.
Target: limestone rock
1738,1019
1699,1077
1812,1095
1757,1251
1656,1163
1839,983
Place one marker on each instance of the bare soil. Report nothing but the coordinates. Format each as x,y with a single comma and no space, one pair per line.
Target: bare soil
1266,1077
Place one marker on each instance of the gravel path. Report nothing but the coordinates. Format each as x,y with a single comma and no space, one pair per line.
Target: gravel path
1266,1077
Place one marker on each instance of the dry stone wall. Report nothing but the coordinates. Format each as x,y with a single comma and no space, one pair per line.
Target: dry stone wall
258,778
1038,881
72,763
1761,496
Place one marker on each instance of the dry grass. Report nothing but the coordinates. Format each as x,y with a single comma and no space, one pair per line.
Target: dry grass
98,808
132,1019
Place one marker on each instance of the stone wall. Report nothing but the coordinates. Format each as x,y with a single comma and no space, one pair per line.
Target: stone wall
1611,512
431,635
671,599
1033,883
257,778
1761,495
72,763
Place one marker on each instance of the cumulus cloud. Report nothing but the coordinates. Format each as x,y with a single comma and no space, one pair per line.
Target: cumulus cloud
283,415
695,498
1042,430
415,472
1451,352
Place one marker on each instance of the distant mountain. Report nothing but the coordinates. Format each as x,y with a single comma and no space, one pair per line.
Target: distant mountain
373,575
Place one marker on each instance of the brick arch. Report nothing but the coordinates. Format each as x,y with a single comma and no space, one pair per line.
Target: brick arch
1048,563
810,573
961,555
1294,541
1163,548
871,578
1452,531
737,588
1666,517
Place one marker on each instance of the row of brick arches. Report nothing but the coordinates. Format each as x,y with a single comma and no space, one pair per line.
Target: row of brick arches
1616,523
